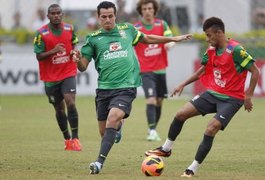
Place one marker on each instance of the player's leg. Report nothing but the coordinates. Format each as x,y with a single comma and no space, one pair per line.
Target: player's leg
68,89
175,128
56,99
226,109
162,92
149,87
120,108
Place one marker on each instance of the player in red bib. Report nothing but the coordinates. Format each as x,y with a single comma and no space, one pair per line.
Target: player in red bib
153,63
52,44
223,72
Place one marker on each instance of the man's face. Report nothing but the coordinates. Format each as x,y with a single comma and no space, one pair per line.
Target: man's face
107,18
148,11
212,37
55,15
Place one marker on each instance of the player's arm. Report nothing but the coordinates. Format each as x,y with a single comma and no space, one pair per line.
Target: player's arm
83,58
168,33
247,62
46,54
194,77
82,62
155,39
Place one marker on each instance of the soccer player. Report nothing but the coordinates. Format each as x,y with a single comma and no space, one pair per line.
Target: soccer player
52,44
153,62
111,48
223,72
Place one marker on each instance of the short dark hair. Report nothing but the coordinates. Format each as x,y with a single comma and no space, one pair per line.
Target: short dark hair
215,23
142,2
106,5
53,6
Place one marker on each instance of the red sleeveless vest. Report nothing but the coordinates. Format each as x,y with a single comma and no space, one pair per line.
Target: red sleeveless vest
151,57
221,75
58,66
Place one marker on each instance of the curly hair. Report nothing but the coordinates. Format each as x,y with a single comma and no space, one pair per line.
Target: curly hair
142,2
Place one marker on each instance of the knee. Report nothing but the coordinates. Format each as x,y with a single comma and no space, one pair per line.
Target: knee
212,129
181,115
71,107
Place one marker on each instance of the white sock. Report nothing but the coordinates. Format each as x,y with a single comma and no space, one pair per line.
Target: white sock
167,146
98,164
194,166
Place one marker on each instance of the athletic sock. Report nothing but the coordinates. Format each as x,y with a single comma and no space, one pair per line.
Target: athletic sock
167,146
194,166
106,144
175,129
62,122
158,113
151,115
73,121
204,148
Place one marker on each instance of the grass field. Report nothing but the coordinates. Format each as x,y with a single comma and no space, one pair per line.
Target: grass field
32,146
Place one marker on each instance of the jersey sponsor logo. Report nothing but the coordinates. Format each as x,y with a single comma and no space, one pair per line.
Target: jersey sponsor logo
152,50
218,78
116,54
115,51
115,46
60,58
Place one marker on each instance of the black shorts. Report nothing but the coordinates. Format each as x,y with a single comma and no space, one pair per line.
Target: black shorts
55,93
154,85
118,98
225,109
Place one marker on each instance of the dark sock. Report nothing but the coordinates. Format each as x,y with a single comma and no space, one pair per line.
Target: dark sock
62,122
174,129
151,115
106,144
204,148
73,121
158,113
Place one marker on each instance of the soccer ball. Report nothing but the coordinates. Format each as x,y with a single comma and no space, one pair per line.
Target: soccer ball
153,165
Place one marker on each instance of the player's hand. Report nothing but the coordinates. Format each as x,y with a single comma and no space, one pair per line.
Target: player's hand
75,55
183,37
248,104
178,90
59,48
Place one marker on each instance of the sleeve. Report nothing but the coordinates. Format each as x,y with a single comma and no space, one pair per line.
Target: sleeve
205,58
242,57
137,35
167,30
74,37
87,49
38,43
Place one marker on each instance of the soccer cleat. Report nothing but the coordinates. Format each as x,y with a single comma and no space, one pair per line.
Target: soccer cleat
68,144
188,173
76,146
159,152
153,136
118,133
95,167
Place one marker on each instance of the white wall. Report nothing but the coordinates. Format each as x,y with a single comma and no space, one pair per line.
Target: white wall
236,14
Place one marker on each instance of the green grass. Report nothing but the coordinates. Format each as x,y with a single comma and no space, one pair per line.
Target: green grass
32,145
